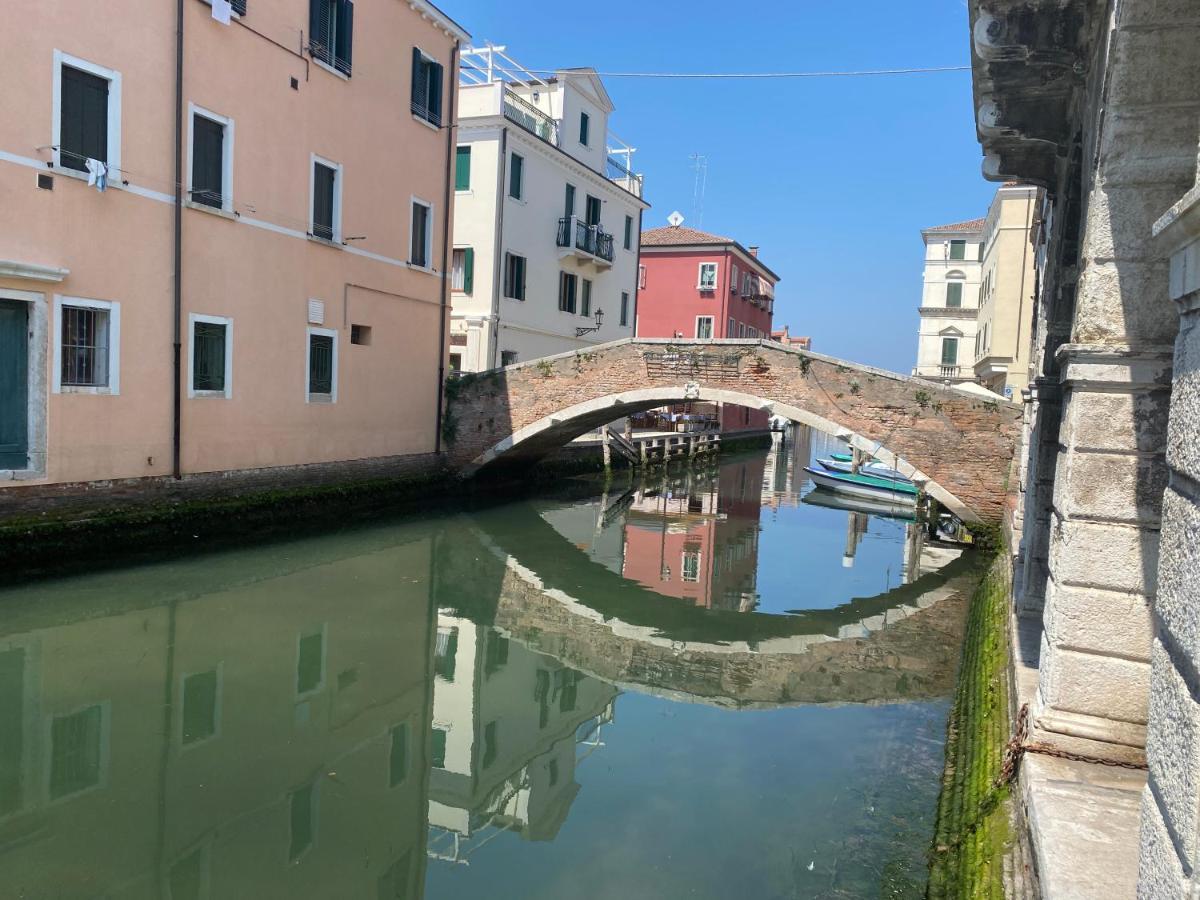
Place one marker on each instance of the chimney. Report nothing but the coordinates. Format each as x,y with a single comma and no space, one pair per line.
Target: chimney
754,252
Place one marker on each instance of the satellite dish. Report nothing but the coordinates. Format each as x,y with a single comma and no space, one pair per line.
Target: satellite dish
675,219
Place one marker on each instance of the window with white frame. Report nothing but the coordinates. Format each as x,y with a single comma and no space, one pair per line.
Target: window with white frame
741,329
320,371
200,717
733,280
690,565
211,349
704,327
87,114
731,330
708,276
77,759
462,270
326,192
210,173
421,248
87,346
514,276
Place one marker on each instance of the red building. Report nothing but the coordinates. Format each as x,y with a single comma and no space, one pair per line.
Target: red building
693,284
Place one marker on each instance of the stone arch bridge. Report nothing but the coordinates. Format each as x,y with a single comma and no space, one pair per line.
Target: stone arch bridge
959,444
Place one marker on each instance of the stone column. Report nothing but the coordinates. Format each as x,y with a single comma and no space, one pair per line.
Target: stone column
1094,684
1030,586
1170,846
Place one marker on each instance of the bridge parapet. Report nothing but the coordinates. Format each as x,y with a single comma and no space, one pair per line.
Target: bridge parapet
959,443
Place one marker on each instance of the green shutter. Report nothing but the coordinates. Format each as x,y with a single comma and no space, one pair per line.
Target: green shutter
584,123
398,758
14,396
958,249
949,351
462,169
954,295
208,357
468,270
515,176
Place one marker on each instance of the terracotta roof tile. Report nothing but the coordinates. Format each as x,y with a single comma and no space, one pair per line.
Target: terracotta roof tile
967,226
673,236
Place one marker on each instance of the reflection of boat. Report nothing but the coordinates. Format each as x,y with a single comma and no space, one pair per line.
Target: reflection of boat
890,509
874,469
864,486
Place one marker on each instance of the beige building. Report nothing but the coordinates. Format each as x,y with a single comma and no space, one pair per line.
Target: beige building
248,287
1005,320
949,301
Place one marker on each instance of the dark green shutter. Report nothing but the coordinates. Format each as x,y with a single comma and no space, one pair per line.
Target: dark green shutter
439,748
954,295
14,385
584,123
320,367
958,249
569,204
343,49
323,186
199,706
462,169
398,759
628,232
949,351
320,30
239,6
208,150
83,123
435,93
516,176
420,92
208,356
469,270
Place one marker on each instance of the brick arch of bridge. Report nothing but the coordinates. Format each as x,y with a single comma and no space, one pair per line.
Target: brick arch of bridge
960,445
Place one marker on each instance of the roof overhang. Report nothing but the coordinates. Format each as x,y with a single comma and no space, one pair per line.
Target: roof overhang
1030,61
722,247
439,18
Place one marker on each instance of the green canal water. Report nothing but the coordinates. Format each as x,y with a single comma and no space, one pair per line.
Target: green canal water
699,685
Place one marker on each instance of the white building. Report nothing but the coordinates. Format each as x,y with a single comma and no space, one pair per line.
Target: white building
547,215
950,301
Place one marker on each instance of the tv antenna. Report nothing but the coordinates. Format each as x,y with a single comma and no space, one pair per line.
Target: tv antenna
700,167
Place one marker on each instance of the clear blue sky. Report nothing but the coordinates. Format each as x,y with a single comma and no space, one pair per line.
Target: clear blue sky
833,178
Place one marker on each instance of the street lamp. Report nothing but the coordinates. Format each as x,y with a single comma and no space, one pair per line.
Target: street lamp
580,332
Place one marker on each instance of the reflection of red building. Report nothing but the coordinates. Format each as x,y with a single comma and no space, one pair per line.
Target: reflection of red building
697,539
693,284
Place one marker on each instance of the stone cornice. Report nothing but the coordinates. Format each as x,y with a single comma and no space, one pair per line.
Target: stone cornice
12,268
948,312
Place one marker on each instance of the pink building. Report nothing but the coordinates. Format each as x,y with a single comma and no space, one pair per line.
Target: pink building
246,275
693,284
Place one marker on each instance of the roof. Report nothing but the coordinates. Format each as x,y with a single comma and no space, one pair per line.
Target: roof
956,227
682,236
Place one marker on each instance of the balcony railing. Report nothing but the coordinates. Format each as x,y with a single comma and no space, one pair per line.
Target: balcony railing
949,371
520,111
590,239
620,173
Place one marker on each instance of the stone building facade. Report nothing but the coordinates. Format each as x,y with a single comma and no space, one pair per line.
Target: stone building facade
1099,103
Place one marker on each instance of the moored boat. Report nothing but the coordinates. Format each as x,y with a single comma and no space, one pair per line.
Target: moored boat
864,486
888,508
874,469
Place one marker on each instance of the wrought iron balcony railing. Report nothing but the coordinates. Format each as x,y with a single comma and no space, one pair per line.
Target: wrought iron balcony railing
592,239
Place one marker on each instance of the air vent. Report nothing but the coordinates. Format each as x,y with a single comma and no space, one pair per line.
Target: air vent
46,182
316,312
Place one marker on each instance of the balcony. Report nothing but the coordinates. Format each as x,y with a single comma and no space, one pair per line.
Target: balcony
590,243
619,173
521,112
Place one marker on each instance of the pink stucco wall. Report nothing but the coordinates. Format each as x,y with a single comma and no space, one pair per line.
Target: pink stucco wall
257,267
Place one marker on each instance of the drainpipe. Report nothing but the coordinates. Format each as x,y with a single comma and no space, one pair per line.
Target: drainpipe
447,200
176,411
637,274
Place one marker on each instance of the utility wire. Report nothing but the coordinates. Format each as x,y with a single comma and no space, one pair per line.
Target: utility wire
855,74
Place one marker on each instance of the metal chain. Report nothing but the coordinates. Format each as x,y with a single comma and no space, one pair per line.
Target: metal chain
1019,744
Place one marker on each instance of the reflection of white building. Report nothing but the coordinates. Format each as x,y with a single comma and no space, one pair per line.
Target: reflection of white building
950,301
509,727
547,215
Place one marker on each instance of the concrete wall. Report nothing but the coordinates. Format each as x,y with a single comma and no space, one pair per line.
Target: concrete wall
252,262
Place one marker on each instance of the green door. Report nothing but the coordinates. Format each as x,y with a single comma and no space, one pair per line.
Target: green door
14,384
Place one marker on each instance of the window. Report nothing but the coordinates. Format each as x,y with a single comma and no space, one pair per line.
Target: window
212,160
552,771
421,244
310,662
201,705
426,88
641,277
88,346
456,362
303,820
514,276
690,566
741,329
733,280
585,126
361,335
708,276
954,294
567,284
592,210
76,743
326,200
212,356
445,653
462,270
87,115
322,365
748,284
585,298
495,653
462,169
508,357
567,684
981,246
516,177
629,232
958,249
331,33
490,744
949,351
189,877
624,309
398,756
731,329
569,202
704,326
439,747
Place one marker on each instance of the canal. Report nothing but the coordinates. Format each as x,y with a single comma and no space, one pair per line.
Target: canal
706,684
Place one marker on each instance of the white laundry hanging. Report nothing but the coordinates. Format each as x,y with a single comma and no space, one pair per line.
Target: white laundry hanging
97,174
221,10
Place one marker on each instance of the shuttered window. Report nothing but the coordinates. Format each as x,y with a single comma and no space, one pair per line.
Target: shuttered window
208,356
514,276
462,273
585,298
629,232
567,288
954,294
462,169
958,249
419,251
569,202
83,124
398,757
949,351
200,706
320,364
516,176
585,127
208,161
592,210
324,188
75,752
438,748
624,308
331,33
426,88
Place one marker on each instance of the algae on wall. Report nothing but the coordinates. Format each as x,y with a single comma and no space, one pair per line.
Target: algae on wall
974,814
